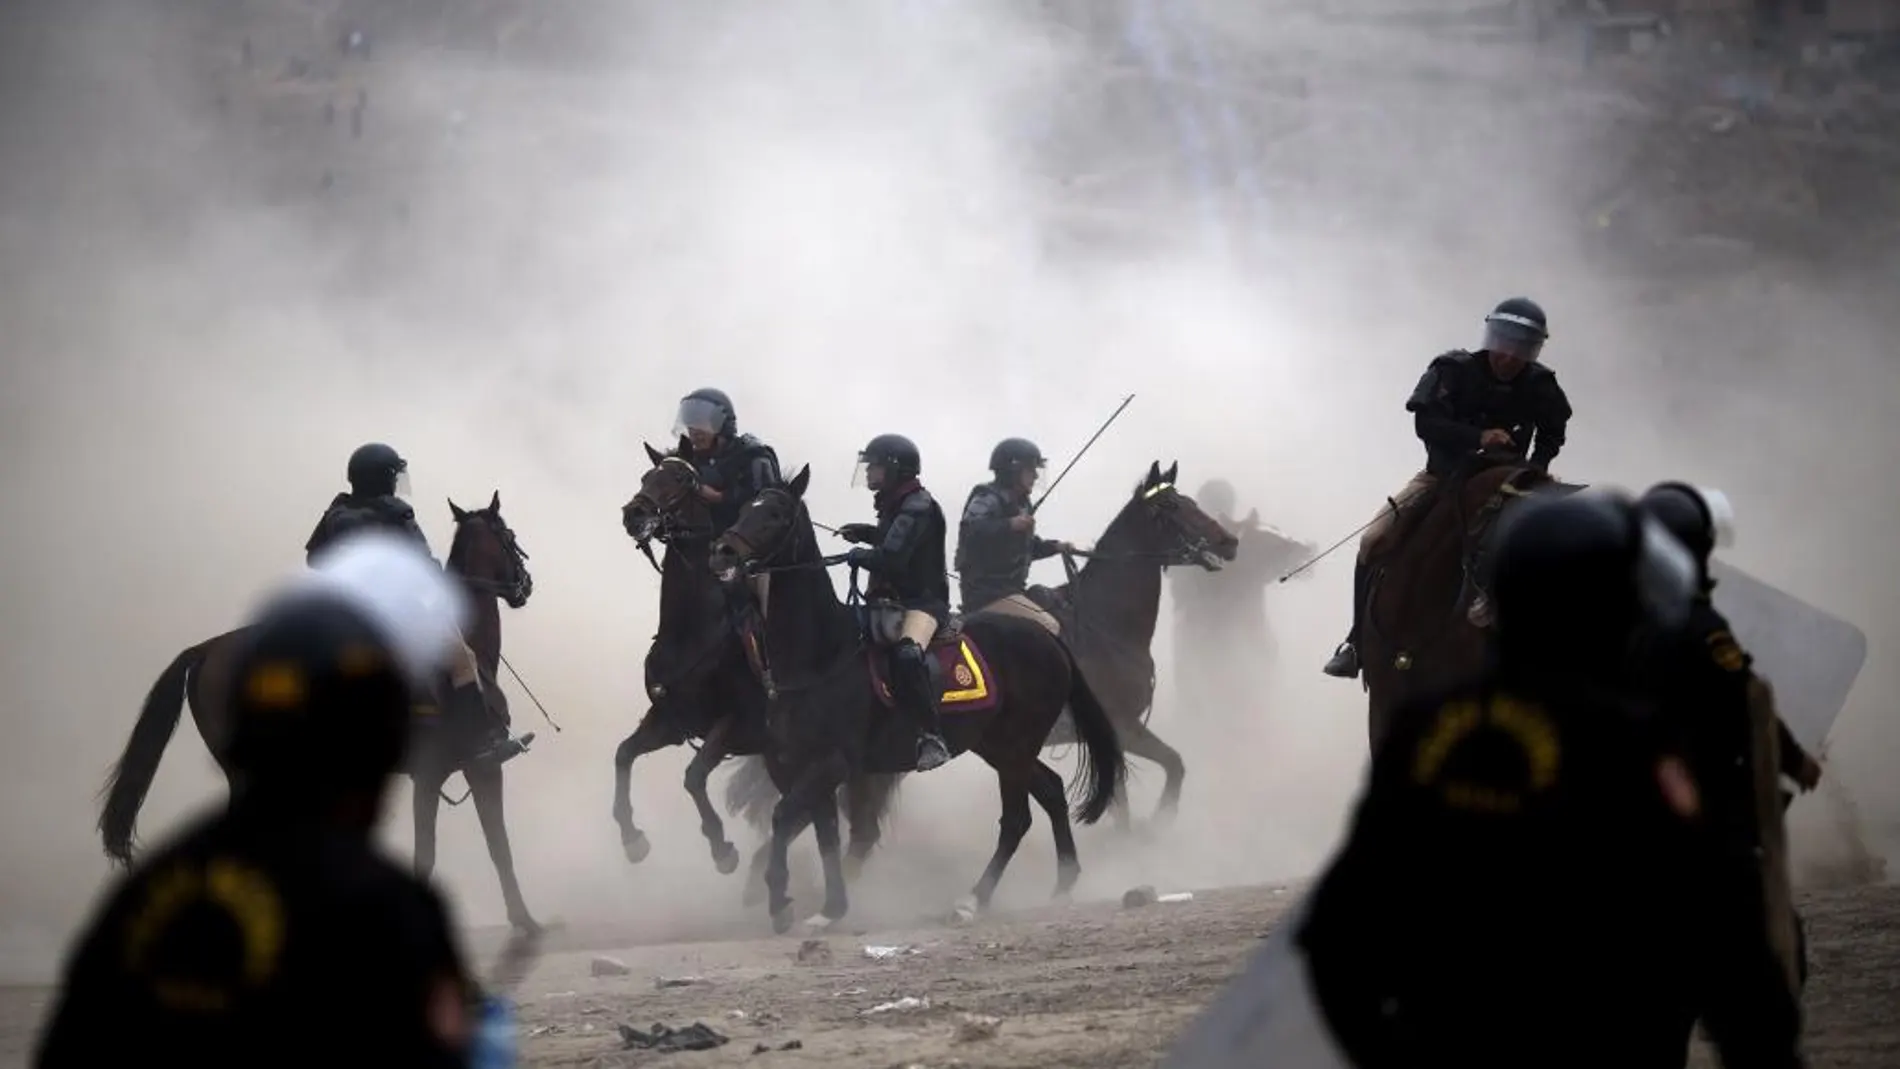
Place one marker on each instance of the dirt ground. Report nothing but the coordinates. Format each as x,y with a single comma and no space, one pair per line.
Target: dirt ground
1089,985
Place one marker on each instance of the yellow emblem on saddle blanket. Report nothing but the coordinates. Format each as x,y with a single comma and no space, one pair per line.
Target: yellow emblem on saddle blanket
961,673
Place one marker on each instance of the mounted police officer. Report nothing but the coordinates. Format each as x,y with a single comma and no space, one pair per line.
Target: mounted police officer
1557,866
278,920
903,552
379,482
997,541
1497,402
732,467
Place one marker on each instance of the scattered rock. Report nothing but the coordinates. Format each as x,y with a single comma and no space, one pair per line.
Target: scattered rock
813,952
903,1005
976,1026
606,966
661,983
695,1036
1139,897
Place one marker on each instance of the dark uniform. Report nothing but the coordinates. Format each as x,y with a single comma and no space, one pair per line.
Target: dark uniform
996,544
1526,879
733,468
1460,407
1725,719
904,555
276,932
375,473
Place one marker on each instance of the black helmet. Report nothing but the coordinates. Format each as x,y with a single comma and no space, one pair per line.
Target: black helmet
1701,519
1015,454
319,700
1216,496
376,470
708,410
1516,327
894,452
1579,579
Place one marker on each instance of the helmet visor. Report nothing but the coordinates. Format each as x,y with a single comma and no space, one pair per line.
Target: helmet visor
1513,336
861,475
697,415
402,482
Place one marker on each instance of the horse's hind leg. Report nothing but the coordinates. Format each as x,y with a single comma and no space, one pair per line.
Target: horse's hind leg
1139,741
1013,785
1046,788
824,826
652,734
424,802
867,796
485,786
698,774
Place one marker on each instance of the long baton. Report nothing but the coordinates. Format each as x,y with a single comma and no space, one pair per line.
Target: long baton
1079,453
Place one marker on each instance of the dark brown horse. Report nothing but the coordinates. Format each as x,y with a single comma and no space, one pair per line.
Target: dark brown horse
1110,607
1005,681
492,566
1418,635
699,683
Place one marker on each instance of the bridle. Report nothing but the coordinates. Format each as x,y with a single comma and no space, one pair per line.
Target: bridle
516,589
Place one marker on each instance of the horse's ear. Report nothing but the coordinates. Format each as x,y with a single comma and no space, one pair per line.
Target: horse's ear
800,482
1168,476
685,446
455,510
654,454
1153,476
494,501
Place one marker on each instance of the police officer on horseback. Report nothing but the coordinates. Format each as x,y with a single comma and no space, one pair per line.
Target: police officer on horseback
1497,403
903,552
379,480
997,540
733,468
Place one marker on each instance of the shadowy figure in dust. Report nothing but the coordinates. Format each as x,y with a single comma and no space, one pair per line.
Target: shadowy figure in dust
700,684
492,567
1002,683
1111,605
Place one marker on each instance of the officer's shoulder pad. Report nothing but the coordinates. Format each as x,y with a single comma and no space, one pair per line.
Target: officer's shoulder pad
918,500
1452,357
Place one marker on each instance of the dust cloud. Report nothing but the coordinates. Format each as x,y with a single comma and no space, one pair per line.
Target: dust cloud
959,221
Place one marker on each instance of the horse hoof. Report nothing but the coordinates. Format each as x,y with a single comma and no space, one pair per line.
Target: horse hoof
726,859
965,911
782,920
819,925
637,847
526,925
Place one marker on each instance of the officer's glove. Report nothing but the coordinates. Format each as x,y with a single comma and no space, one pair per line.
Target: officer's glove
858,557
861,533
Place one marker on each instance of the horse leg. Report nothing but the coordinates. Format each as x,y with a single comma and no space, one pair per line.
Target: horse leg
1140,741
485,786
866,798
698,774
1046,788
796,808
824,825
1118,807
652,734
424,801
1013,785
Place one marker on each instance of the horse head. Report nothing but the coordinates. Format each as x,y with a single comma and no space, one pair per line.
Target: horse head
668,505
487,556
767,532
1171,526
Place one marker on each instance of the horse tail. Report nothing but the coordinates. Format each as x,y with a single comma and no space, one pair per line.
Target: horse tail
1102,764
750,793
132,774
872,796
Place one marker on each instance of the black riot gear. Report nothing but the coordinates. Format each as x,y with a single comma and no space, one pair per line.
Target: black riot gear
376,470
895,453
1700,519
1460,396
1216,496
708,410
1014,455
1516,326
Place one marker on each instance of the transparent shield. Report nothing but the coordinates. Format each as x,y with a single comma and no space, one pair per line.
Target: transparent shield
402,484
698,415
860,475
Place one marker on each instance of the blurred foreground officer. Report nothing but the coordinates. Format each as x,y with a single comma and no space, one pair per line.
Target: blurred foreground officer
274,932
1526,879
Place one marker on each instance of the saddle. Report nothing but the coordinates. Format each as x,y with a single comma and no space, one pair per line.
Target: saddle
962,674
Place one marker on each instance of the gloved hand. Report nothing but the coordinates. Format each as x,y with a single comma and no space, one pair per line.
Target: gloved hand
861,533
858,557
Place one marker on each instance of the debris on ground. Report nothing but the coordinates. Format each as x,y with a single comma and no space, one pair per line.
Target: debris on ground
695,1036
977,1026
880,953
902,1005
1137,897
606,966
766,1048
661,983
813,952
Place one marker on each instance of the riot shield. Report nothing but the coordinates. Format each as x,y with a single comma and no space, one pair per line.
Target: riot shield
1811,656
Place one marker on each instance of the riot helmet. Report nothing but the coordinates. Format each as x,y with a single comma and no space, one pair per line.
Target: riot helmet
895,454
1216,497
1701,518
376,470
1582,584
706,414
1516,329
1011,458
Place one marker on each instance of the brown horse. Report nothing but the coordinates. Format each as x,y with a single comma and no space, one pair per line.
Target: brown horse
1004,682
701,687
1110,607
492,566
1418,635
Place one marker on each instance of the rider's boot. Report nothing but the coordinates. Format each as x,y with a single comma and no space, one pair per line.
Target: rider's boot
494,745
1345,662
912,674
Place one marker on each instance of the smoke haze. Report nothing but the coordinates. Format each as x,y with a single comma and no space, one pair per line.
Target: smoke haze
957,221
